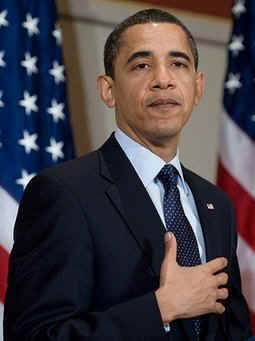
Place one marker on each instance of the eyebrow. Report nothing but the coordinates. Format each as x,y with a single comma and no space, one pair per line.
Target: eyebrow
145,53
138,54
180,54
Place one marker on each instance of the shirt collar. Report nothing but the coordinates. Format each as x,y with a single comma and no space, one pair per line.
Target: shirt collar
146,163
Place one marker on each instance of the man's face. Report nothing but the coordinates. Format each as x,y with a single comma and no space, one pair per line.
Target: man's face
155,85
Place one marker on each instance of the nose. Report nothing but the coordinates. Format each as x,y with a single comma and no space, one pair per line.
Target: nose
163,78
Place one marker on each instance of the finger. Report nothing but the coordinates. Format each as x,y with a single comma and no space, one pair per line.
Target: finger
217,264
221,279
170,247
222,294
219,308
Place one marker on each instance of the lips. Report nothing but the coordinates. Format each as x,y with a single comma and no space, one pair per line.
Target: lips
163,102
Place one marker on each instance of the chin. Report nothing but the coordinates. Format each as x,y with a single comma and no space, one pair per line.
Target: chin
164,136
167,131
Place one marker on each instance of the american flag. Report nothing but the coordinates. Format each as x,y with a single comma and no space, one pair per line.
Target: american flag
236,171
35,130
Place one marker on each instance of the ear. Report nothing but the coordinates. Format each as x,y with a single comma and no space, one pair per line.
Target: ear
105,88
200,85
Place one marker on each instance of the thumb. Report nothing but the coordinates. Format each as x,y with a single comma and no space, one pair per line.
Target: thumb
169,260
170,247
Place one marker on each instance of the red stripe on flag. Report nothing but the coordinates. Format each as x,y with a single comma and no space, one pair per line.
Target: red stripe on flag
252,315
244,205
4,257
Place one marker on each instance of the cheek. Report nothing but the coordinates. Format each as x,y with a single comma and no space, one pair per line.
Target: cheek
134,99
130,97
189,95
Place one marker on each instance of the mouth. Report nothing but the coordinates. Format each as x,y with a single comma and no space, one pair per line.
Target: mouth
162,103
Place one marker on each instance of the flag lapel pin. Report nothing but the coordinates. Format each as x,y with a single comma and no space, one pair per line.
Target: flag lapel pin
210,206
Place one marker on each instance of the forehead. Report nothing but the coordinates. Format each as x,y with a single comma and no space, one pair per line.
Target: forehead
156,37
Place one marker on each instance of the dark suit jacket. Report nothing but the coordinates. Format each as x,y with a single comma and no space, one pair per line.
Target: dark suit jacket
88,250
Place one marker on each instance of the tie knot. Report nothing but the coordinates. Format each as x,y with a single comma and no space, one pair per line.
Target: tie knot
168,176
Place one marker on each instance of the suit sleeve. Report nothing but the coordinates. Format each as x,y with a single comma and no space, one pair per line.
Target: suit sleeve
237,314
51,277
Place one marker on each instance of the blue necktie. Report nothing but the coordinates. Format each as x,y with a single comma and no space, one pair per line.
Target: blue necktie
176,222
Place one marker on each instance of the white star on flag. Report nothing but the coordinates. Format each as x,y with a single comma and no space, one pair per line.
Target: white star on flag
233,82
56,110
57,34
1,102
55,149
25,178
31,25
2,62
238,8
253,118
29,63
236,45
3,21
57,72
29,103
28,142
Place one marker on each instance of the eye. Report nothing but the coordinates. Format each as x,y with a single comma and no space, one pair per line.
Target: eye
141,66
179,64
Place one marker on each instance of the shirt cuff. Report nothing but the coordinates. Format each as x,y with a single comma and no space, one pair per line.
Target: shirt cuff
167,327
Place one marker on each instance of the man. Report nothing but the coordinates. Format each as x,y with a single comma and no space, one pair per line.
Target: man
91,258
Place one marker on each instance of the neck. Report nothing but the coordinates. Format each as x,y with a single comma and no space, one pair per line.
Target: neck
165,148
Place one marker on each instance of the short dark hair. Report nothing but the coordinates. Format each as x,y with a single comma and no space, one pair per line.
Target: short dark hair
150,15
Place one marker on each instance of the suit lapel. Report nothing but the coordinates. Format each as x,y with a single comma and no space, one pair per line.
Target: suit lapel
207,207
134,204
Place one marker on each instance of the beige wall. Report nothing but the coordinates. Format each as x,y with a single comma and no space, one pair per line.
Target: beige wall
86,24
